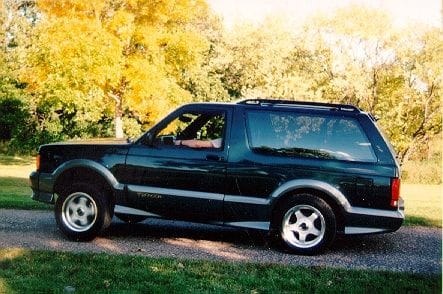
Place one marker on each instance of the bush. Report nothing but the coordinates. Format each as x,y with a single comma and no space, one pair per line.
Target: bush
13,115
425,167
47,124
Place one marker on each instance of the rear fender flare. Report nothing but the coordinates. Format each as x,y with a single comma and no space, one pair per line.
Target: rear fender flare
326,188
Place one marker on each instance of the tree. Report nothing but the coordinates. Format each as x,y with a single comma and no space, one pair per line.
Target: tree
204,82
133,54
414,112
255,58
393,74
14,113
353,56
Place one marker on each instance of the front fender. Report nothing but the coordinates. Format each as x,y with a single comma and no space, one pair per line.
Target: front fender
43,184
89,164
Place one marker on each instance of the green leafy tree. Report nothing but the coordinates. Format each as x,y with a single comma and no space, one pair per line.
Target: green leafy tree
353,56
411,97
255,59
393,74
14,112
204,82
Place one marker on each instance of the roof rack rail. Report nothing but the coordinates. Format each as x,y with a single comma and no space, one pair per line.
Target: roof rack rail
276,102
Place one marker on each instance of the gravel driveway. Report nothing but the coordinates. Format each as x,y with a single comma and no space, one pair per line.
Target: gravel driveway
411,249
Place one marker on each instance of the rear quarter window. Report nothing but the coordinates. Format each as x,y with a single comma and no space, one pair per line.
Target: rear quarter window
306,135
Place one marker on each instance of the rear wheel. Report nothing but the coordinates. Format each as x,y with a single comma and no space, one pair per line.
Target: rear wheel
306,224
129,218
82,212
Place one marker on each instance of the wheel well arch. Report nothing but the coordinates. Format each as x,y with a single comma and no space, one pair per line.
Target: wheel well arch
86,175
336,208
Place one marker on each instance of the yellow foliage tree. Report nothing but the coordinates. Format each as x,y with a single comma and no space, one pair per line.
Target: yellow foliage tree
132,54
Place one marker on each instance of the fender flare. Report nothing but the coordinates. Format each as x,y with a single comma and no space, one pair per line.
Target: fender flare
326,188
89,164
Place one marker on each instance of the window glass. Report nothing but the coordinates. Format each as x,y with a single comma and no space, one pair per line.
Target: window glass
193,126
313,136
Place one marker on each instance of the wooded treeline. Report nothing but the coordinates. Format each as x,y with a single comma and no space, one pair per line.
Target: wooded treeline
100,68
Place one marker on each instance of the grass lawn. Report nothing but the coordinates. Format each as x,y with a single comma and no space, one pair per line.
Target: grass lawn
24,271
14,183
423,202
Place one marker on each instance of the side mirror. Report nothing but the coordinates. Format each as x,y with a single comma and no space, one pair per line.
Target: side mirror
184,119
147,139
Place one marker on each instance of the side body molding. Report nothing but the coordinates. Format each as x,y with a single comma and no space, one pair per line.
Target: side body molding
90,164
316,185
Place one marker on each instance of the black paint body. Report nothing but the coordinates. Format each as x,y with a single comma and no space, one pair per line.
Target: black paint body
233,185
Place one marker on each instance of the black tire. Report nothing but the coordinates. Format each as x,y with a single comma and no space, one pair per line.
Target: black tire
130,218
304,224
82,212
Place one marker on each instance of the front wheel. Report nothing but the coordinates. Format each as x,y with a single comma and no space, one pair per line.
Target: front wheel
82,212
306,224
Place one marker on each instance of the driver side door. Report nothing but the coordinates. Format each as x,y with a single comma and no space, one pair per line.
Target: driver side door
176,181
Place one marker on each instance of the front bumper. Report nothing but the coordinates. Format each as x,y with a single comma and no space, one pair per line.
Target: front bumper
372,221
42,187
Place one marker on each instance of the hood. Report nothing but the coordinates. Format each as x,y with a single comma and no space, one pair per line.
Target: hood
107,152
105,141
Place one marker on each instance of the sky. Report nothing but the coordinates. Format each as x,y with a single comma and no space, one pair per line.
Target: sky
402,12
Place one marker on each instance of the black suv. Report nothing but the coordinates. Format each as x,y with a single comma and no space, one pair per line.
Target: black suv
300,170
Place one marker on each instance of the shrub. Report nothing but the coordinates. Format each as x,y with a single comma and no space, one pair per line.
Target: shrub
425,167
13,115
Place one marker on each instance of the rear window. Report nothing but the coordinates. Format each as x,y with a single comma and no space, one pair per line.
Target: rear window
305,135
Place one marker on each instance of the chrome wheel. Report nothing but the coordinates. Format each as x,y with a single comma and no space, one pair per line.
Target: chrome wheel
79,212
303,226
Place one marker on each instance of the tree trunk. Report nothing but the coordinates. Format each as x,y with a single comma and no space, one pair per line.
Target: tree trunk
118,119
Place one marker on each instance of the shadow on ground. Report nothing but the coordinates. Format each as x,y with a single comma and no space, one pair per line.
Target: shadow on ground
158,229
161,229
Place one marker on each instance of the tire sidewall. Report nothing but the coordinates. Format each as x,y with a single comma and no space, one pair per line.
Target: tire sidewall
322,207
102,218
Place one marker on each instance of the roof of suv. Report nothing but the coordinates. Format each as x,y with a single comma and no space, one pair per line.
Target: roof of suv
300,104
260,102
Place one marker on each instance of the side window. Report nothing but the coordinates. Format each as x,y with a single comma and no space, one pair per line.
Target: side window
311,136
194,130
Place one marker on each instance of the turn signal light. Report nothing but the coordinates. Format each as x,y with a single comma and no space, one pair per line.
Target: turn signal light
37,162
395,191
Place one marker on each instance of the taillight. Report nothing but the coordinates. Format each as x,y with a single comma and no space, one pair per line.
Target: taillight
37,162
395,191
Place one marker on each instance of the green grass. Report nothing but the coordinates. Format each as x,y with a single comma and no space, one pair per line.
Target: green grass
15,193
423,202
14,183
25,271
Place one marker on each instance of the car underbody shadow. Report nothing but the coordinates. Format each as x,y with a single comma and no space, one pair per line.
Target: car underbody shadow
158,229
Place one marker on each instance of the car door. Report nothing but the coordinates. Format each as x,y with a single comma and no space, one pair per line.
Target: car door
171,180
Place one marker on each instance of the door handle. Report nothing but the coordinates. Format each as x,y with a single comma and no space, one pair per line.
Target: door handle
214,157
